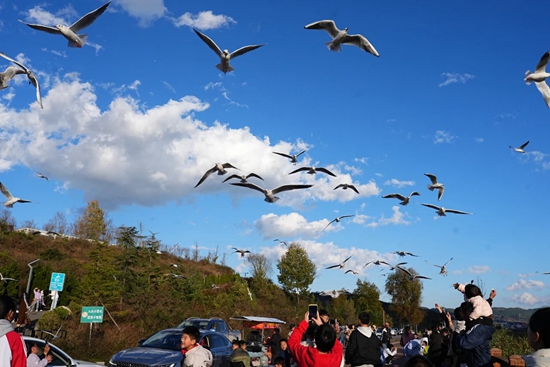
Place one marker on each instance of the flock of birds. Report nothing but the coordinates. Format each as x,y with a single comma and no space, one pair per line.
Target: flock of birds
338,38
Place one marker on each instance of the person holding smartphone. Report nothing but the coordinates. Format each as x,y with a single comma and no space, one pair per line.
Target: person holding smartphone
328,352
34,360
363,345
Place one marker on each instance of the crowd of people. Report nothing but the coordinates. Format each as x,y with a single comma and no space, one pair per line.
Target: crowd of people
318,341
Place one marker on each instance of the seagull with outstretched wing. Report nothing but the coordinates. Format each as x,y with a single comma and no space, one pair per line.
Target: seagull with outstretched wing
338,219
270,194
225,56
313,170
293,158
219,167
443,268
435,185
3,279
539,77
411,275
243,178
405,253
32,77
520,149
346,186
11,199
352,271
341,37
441,210
376,262
342,265
404,199
242,252
71,32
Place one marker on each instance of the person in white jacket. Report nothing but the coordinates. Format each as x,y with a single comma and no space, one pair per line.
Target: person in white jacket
34,360
473,294
538,335
195,355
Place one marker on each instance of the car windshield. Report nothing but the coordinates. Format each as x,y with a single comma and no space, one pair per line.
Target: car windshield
166,339
200,324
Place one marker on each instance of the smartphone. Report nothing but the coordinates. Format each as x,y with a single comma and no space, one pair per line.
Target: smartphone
312,311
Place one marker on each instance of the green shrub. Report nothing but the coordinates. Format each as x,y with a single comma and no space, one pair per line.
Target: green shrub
510,343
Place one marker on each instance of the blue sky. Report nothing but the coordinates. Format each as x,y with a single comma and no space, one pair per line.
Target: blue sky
136,117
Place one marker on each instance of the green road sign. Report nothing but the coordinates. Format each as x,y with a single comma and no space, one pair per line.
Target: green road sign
91,314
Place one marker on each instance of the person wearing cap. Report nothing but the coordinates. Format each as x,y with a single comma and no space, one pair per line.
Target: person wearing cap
292,327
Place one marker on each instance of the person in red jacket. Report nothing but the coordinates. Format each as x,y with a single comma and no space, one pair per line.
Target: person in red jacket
13,352
328,351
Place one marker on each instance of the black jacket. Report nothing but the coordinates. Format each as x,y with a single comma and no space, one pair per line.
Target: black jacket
362,349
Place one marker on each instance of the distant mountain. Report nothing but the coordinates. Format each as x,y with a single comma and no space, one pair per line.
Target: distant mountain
514,314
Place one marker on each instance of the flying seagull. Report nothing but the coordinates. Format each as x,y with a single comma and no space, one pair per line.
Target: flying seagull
42,176
441,211
342,37
435,185
219,167
520,149
341,265
225,56
249,293
443,268
396,266
8,75
539,77
175,276
376,262
70,33
352,271
11,199
293,158
338,219
313,170
347,186
270,194
404,200
174,266
412,276
404,253
2,279
242,252
243,177
280,242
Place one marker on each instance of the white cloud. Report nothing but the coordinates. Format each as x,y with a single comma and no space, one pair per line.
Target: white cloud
479,140
540,158
479,269
169,86
526,275
527,299
378,174
57,53
38,15
212,85
442,136
399,184
363,160
396,218
146,11
204,20
525,284
105,152
293,225
456,272
328,253
451,78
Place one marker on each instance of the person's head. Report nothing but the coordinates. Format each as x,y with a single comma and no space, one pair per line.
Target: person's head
538,332
472,290
279,362
325,337
424,341
387,324
292,326
7,308
283,343
407,329
459,314
235,344
418,361
324,315
276,331
35,349
364,318
191,335
242,344
467,308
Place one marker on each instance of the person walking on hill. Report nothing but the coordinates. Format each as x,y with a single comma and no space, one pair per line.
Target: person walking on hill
13,352
363,345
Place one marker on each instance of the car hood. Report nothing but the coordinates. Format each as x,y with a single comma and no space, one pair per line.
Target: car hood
144,355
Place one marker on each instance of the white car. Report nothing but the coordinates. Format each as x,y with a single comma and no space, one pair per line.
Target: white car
60,358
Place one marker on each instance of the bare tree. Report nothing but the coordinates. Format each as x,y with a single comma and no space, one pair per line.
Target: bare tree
29,223
196,252
58,223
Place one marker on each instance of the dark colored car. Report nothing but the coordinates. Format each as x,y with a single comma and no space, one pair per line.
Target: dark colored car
215,324
164,349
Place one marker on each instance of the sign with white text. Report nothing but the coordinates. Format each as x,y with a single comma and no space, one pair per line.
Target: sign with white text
91,314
